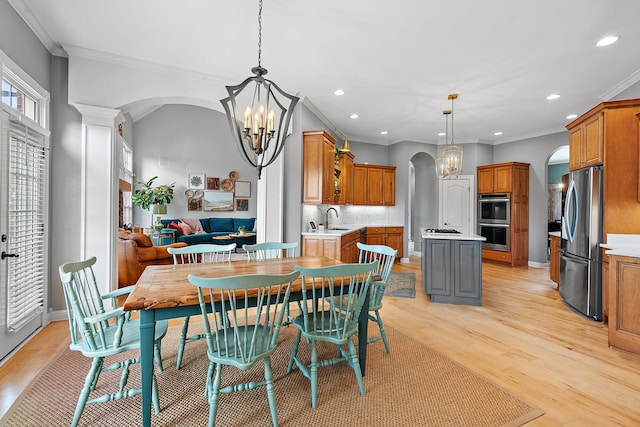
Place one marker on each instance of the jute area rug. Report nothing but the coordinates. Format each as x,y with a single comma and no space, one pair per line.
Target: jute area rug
401,285
413,385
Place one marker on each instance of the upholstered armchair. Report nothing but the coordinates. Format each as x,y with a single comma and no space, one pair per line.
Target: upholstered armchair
136,252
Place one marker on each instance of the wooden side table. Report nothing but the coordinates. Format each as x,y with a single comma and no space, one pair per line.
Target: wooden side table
161,239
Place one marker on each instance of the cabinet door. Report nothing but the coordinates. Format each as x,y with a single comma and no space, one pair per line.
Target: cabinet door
389,187
376,235
345,196
467,269
575,148
374,186
328,172
503,181
593,141
437,267
331,247
394,240
359,185
485,180
312,173
311,246
554,254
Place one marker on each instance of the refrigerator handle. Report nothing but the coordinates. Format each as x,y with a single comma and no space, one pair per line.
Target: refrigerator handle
571,224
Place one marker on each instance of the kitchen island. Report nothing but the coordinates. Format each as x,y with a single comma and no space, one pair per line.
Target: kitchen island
452,267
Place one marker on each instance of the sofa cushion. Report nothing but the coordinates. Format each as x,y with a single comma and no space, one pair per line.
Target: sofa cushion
220,224
166,222
186,228
141,239
205,225
247,222
176,227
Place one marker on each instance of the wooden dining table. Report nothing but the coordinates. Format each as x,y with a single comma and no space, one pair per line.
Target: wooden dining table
164,292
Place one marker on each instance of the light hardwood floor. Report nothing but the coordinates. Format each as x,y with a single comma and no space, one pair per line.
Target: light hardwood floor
522,338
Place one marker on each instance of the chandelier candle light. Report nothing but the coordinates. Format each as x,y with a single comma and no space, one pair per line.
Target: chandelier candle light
449,164
260,131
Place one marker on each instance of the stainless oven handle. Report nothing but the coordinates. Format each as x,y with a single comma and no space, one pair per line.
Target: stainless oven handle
501,199
494,225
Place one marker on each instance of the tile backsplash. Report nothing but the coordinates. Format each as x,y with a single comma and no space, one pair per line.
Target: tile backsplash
347,214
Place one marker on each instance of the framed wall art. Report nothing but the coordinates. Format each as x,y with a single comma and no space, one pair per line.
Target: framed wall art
196,180
217,201
213,183
243,189
242,204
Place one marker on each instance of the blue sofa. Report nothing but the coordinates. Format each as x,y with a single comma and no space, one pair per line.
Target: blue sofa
214,227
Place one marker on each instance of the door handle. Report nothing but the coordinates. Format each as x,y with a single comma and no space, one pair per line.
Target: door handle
6,255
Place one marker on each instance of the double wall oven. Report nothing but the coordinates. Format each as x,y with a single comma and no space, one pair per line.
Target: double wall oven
494,218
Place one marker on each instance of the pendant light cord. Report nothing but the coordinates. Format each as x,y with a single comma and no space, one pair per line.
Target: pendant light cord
260,33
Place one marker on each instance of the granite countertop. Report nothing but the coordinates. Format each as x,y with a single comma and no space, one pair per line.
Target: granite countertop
622,244
451,236
338,230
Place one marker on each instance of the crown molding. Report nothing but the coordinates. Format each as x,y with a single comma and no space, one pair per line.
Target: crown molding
623,85
32,22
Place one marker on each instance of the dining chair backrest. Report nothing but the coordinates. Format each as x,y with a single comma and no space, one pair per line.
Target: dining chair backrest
89,327
268,250
385,256
202,253
244,327
325,287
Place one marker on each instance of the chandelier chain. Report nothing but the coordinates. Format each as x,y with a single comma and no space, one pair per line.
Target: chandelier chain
260,33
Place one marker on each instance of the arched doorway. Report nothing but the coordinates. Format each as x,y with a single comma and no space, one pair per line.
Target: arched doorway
423,197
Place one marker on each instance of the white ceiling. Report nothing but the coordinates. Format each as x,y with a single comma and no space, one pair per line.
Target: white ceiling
396,60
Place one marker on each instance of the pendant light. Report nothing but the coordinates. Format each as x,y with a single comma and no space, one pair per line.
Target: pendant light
260,129
449,163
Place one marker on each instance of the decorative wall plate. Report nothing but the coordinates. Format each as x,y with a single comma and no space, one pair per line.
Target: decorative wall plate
226,185
233,176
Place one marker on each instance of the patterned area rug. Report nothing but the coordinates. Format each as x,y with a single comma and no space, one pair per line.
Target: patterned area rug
414,385
401,285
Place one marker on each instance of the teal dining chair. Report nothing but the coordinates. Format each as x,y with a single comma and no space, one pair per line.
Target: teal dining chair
244,328
98,332
194,254
322,320
269,250
385,256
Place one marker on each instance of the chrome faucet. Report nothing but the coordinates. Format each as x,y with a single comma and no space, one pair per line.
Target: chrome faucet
326,217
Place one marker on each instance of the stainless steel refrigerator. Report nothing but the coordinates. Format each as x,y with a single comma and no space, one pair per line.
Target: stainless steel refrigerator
581,264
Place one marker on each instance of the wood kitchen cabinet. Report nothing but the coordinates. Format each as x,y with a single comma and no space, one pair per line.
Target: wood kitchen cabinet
605,286
374,185
554,258
510,178
343,248
345,180
318,167
586,143
349,251
624,302
388,236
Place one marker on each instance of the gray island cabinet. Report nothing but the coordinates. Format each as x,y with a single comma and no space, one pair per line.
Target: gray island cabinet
452,267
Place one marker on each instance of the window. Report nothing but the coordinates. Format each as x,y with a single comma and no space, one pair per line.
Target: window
18,100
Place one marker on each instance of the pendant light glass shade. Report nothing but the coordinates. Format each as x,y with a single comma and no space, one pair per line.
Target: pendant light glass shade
261,127
449,163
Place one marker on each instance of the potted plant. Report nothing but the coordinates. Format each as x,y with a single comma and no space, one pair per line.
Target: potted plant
153,198
242,230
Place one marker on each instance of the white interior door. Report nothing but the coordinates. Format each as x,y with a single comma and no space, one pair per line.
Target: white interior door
456,204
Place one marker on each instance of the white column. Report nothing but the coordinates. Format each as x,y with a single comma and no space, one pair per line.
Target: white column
270,208
99,192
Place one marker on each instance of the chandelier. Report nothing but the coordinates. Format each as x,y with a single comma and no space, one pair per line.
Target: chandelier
449,163
260,129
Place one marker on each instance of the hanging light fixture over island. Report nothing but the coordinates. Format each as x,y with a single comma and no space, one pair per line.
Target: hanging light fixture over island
449,163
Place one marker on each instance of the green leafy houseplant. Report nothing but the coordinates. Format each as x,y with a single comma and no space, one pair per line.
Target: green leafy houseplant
242,229
148,196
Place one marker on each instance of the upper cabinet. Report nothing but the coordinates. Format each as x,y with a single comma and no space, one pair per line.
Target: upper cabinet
495,178
586,143
319,167
374,185
345,179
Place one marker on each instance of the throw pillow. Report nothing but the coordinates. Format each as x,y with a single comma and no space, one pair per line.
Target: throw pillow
175,226
194,223
186,228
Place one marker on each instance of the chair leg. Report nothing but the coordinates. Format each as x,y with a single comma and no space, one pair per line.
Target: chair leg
154,394
294,352
355,364
314,374
271,393
183,339
383,334
213,396
157,355
89,384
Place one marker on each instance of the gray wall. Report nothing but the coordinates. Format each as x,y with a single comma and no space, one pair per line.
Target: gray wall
176,140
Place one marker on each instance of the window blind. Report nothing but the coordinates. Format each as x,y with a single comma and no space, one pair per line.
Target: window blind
26,227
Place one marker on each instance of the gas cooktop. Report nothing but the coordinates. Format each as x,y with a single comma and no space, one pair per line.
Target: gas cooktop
442,230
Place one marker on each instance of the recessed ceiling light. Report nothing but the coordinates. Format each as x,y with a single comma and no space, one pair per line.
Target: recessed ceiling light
338,92
554,96
606,41
354,116
384,132
441,134
497,133
572,116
